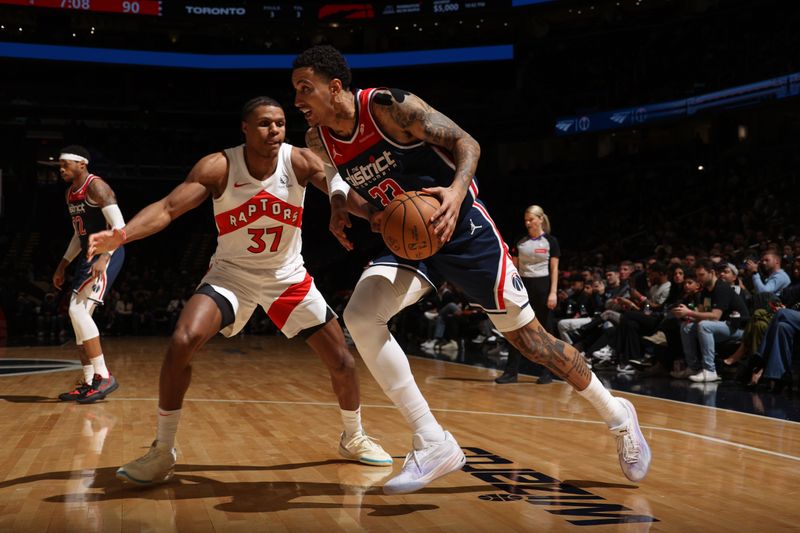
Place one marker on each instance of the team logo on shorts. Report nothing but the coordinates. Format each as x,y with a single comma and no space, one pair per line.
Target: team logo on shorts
516,281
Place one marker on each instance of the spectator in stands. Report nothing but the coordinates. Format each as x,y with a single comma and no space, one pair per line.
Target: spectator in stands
779,343
642,318
667,340
445,331
775,279
719,318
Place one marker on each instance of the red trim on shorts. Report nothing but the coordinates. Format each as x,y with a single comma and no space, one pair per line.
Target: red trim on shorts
501,304
281,308
102,291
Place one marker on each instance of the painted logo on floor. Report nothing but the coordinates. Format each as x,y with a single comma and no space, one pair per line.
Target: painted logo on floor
581,507
20,367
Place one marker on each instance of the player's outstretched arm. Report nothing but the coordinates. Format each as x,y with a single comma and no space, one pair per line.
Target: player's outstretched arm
205,178
409,117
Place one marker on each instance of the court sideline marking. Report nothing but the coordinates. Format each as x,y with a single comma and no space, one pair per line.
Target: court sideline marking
490,413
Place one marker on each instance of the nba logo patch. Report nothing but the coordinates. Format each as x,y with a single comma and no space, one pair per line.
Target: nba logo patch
516,281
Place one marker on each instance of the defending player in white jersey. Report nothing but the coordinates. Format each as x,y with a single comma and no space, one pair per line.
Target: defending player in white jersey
258,190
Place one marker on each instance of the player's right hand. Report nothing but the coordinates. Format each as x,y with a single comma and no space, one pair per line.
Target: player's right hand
375,219
104,241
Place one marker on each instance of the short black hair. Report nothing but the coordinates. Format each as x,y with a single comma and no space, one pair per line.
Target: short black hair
327,61
77,150
257,102
661,268
706,264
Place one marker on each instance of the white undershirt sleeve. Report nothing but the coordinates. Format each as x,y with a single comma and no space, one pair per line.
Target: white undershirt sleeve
74,248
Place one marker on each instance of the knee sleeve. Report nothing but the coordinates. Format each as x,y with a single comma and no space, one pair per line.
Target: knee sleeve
80,313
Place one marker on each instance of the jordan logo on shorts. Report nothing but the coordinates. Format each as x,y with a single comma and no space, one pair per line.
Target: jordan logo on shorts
473,227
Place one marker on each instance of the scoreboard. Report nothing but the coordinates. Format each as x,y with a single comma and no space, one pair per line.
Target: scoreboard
326,11
129,7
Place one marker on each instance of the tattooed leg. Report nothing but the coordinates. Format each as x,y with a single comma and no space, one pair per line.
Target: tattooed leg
535,343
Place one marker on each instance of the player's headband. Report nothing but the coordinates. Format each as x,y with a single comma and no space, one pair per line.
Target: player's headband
73,157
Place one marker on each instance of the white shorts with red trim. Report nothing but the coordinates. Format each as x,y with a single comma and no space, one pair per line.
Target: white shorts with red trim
288,295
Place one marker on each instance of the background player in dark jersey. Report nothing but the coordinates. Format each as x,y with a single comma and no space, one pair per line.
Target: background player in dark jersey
384,142
92,207
536,258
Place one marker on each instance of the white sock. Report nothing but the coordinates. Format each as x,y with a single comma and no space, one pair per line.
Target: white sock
610,409
352,422
88,373
167,427
99,364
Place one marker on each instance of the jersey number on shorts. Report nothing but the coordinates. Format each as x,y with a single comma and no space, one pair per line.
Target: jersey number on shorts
385,191
257,236
77,223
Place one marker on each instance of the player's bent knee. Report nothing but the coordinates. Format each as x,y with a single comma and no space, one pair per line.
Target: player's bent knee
186,339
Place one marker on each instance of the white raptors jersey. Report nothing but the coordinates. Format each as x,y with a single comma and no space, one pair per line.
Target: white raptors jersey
259,221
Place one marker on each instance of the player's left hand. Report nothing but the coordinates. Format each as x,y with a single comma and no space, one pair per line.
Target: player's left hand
104,241
99,266
445,218
340,219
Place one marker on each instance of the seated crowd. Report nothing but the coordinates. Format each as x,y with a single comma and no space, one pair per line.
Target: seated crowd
701,317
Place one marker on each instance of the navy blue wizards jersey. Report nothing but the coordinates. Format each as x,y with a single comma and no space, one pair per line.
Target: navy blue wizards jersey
379,168
87,217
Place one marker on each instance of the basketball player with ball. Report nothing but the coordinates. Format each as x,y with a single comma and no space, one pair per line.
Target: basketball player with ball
258,189
387,142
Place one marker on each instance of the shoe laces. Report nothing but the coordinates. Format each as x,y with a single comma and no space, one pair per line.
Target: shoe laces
412,455
151,454
630,447
362,439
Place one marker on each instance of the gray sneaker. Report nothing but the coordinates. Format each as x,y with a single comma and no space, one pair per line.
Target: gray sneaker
156,466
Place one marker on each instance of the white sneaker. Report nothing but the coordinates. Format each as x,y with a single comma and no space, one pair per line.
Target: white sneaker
705,376
625,369
426,462
634,453
429,344
606,352
449,345
360,447
156,466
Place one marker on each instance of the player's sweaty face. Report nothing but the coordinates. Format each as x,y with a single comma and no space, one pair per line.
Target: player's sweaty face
265,128
312,95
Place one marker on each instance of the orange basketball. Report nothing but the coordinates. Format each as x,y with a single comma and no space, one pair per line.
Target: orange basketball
405,225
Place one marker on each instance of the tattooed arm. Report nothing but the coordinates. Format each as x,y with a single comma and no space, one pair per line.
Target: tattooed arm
407,118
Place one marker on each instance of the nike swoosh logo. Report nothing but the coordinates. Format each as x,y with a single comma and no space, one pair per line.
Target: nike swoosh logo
237,185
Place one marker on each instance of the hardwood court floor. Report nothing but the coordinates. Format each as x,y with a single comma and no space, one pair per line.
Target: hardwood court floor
257,451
